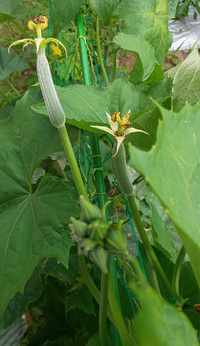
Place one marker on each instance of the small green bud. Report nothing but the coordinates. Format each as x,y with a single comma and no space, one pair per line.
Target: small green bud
99,256
118,225
89,212
97,230
116,242
78,228
85,246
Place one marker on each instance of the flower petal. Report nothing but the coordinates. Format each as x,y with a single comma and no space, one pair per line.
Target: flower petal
38,41
104,128
113,124
25,40
132,129
119,140
57,42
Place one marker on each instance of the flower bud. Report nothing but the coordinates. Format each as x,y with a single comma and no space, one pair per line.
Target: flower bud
99,257
97,230
89,212
116,242
78,228
85,246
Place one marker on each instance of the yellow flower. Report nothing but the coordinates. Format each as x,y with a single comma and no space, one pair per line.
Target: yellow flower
56,50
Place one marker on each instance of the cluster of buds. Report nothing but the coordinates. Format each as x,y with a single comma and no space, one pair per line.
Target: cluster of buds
95,237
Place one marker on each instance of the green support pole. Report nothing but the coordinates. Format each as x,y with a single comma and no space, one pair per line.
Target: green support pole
102,198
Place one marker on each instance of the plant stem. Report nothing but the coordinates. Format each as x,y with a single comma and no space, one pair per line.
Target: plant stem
104,306
92,287
126,338
13,88
154,276
114,66
146,243
177,270
91,7
72,161
99,53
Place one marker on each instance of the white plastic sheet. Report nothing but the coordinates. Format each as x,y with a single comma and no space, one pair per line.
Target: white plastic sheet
185,32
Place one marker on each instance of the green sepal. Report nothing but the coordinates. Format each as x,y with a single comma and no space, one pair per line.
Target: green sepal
116,242
97,230
78,228
89,211
117,226
99,257
85,246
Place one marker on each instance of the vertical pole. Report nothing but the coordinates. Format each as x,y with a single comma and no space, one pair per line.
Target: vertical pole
102,198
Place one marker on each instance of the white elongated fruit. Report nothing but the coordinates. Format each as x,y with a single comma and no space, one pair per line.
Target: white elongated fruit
121,171
52,102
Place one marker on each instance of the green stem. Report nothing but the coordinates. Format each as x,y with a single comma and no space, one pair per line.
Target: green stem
154,277
114,66
20,27
72,161
99,53
104,306
91,285
91,7
126,338
177,270
12,86
146,243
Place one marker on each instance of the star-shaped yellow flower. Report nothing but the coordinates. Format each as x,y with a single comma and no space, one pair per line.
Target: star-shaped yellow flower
119,128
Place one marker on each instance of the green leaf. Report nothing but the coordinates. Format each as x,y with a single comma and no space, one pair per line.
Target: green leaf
141,48
149,20
33,226
95,340
104,9
62,13
81,299
161,237
87,105
19,304
172,8
186,77
55,268
172,169
166,324
10,9
188,283
10,63
148,121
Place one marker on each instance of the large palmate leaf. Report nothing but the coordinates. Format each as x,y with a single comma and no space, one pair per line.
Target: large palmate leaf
104,9
141,48
149,20
186,77
172,168
167,326
87,105
11,9
62,13
10,63
32,225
